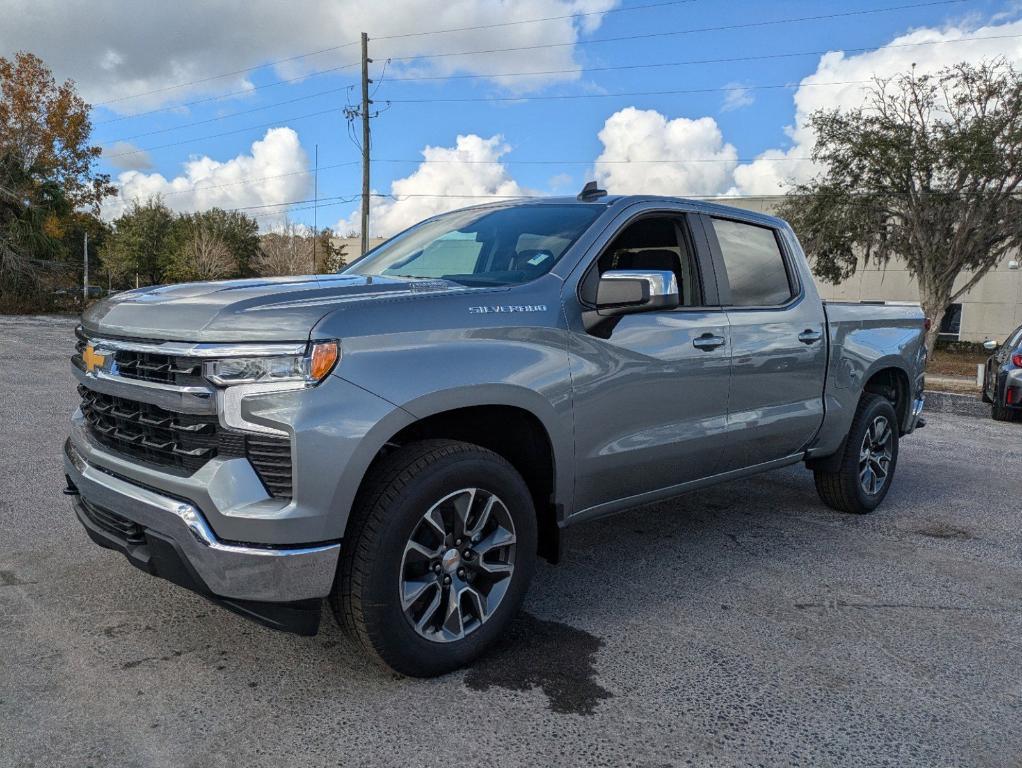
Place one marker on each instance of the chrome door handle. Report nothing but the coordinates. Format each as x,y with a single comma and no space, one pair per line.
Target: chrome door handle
809,336
708,342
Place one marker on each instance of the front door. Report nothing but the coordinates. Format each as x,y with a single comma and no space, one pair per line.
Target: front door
650,390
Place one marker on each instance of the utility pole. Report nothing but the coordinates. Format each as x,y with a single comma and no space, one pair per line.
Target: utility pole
365,141
85,274
315,212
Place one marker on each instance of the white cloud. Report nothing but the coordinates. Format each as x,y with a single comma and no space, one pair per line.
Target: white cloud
274,171
771,172
667,157
118,48
125,156
736,96
452,177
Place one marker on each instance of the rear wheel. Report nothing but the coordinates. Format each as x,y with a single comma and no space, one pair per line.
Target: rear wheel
1000,413
439,554
867,465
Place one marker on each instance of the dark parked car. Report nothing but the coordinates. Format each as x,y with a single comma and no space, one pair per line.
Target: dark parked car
1002,379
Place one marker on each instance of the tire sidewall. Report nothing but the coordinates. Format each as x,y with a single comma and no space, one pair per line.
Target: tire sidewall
395,639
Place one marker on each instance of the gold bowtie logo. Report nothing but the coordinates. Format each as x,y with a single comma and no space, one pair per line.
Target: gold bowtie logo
92,359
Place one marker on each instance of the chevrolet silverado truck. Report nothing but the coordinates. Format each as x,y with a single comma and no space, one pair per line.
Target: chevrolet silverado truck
405,438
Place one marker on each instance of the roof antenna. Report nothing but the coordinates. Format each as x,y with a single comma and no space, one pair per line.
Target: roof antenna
591,191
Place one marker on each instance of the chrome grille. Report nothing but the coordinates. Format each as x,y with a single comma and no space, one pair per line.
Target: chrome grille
165,369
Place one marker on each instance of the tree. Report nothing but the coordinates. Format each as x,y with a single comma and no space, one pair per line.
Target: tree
289,251
143,243
47,174
204,255
928,171
213,245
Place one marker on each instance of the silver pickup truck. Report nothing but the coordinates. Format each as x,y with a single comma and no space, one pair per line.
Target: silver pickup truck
405,438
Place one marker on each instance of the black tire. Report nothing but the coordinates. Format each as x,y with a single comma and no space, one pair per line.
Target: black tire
397,493
843,489
1000,413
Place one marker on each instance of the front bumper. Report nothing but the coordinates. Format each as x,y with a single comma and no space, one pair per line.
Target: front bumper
169,537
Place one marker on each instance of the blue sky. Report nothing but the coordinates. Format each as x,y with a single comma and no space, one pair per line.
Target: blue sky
540,126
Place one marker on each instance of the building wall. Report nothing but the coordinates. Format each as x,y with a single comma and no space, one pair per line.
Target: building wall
991,310
353,246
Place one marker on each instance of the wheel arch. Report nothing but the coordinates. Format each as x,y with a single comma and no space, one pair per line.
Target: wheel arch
518,428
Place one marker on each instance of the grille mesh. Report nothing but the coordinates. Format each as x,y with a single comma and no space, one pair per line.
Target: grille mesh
182,443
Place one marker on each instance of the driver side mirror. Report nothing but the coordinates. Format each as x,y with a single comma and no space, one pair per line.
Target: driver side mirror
990,345
624,291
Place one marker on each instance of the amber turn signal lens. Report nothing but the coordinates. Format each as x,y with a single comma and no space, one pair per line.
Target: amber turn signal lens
324,357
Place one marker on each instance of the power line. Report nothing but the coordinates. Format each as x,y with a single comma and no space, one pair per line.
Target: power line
274,123
385,37
223,96
692,30
220,76
252,181
471,99
421,78
628,93
726,60
532,21
232,114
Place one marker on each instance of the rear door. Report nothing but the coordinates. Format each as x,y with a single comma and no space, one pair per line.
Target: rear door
778,342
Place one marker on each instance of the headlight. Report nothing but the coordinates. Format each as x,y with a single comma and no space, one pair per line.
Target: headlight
311,368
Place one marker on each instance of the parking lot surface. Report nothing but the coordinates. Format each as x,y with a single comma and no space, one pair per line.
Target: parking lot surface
746,624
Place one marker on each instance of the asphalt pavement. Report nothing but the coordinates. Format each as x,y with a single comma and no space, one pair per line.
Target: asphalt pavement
745,624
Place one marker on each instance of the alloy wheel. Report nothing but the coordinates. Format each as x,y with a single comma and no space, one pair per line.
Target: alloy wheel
875,456
457,565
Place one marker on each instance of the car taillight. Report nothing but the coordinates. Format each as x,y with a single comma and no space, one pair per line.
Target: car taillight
1016,359
1011,396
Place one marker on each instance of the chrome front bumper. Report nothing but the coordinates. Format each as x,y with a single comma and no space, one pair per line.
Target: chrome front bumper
270,574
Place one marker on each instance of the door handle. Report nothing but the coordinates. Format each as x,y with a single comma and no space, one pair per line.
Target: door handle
809,336
708,342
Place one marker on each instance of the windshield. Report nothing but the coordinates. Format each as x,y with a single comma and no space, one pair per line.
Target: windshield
491,246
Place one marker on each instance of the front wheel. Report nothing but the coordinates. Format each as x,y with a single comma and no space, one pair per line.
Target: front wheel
439,554
870,457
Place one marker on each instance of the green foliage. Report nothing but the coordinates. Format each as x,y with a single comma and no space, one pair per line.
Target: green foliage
49,190
213,245
927,171
142,244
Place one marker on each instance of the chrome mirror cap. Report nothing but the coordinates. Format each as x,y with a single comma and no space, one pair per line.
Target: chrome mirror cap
622,291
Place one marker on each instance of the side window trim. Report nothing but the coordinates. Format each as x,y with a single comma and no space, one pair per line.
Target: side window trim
720,268
687,238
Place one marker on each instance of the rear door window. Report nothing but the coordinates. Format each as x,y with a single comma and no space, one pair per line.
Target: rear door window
755,265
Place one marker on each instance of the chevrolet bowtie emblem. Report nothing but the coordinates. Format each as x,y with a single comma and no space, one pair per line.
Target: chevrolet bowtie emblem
92,359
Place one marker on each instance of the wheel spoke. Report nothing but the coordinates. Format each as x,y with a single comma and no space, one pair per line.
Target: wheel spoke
414,589
422,550
463,508
884,432
495,569
480,602
430,611
453,624
501,537
484,517
435,520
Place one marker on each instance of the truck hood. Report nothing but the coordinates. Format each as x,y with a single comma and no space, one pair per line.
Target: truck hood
264,309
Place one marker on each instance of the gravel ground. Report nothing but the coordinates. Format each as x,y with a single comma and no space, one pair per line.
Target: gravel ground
741,625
